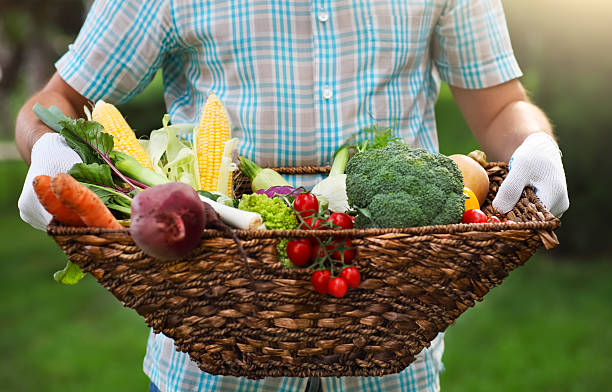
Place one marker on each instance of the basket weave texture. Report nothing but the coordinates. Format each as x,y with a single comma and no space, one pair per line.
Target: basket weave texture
416,282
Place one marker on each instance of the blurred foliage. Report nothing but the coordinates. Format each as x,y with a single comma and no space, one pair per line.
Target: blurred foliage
560,47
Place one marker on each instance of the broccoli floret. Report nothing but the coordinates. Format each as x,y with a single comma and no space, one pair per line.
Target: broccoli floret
402,186
275,213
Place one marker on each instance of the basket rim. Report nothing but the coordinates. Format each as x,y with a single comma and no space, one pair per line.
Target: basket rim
549,222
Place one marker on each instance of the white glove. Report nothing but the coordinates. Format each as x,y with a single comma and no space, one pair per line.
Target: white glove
50,155
536,163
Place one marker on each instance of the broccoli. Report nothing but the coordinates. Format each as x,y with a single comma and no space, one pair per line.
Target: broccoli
402,186
276,215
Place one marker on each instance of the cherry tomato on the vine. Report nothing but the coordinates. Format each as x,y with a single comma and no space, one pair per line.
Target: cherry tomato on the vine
320,280
299,251
337,287
309,225
341,219
474,216
306,204
352,276
349,252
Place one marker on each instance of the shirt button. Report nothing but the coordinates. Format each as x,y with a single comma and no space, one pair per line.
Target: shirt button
327,92
323,16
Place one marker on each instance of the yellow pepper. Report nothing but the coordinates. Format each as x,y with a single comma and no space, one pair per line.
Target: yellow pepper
471,202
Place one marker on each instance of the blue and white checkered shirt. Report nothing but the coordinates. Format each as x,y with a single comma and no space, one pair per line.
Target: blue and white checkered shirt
297,78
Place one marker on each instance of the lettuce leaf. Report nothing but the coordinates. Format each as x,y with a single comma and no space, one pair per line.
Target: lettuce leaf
172,155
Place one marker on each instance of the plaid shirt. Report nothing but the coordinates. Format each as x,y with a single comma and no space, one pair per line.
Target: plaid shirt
297,78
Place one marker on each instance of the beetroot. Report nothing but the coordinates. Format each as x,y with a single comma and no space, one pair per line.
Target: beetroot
167,220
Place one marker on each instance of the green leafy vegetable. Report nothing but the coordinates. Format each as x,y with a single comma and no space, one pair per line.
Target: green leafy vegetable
172,156
71,274
88,139
94,173
112,198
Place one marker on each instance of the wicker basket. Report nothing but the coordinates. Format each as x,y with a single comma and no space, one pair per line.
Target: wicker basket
417,281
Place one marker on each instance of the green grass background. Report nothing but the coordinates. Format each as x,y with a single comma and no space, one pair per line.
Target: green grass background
545,329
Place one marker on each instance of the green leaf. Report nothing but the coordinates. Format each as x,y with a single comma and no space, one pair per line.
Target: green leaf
109,195
93,173
71,274
87,138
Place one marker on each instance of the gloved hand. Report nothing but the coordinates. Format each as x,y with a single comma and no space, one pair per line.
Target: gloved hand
536,163
50,155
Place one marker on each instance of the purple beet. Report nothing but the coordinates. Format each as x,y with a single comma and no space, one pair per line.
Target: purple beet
167,220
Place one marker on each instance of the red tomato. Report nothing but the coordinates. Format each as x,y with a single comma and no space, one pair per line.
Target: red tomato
494,219
299,251
306,204
349,254
352,276
320,280
316,248
341,219
337,287
308,225
474,216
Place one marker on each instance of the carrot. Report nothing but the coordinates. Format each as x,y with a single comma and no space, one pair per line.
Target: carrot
86,204
63,214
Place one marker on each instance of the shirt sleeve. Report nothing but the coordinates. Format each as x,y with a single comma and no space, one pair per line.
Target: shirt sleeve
471,45
118,50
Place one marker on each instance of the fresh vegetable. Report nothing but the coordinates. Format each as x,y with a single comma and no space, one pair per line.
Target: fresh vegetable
94,146
494,219
210,143
333,188
260,178
282,190
219,198
475,176
167,220
172,156
402,186
320,280
344,221
299,251
125,140
371,138
99,179
63,214
347,249
352,276
275,213
84,202
133,169
471,201
51,117
282,256
474,216
240,219
337,287
306,204
312,223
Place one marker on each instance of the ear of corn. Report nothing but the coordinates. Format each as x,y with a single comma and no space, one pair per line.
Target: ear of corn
211,138
124,138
